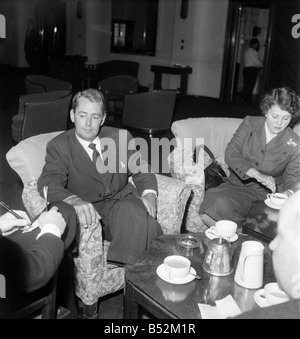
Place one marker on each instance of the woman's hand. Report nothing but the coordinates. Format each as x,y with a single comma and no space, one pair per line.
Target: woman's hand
264,179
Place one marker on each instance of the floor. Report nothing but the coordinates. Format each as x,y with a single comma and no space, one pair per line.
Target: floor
12,86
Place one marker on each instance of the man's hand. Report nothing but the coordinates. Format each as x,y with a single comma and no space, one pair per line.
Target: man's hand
86,213
264,179
149,201
9,222
52,217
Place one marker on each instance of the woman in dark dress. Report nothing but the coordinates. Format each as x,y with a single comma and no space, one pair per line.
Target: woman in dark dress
263,157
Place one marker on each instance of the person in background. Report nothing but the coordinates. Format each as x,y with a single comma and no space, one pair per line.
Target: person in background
252,66
96,181
31,46
286,263
263,157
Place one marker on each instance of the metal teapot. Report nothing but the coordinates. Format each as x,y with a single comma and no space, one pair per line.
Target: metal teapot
218,259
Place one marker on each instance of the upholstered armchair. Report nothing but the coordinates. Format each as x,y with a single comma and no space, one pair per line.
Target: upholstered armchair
214,133
38,83
40,113
94,278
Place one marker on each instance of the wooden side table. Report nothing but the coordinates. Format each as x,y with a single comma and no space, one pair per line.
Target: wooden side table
144,289
182,71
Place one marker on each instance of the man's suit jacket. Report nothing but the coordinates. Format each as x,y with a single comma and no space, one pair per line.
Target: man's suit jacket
28,264
69,170
280,158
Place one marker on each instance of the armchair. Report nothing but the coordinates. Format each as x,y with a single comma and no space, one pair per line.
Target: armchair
149,112
94,278
37,83
41,113
114,90
216,133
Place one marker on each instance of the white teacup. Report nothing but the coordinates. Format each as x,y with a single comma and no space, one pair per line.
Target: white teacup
177,266
274,295
226,228
277,199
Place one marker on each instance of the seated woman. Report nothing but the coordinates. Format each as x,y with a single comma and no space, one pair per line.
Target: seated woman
263,157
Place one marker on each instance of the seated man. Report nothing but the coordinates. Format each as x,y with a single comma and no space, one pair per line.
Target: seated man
286,263
80,171
29,260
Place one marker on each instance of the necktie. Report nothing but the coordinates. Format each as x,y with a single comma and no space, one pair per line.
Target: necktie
97,159
100,167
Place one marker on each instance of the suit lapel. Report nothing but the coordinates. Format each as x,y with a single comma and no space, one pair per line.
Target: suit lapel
82,160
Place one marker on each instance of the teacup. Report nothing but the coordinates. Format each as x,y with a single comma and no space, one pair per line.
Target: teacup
274,295
226,228
177,266
277,199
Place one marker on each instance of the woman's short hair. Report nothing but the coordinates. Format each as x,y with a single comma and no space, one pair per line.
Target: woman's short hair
285,98
92,95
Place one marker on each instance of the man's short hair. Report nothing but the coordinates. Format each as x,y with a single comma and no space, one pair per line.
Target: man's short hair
91,94
253,42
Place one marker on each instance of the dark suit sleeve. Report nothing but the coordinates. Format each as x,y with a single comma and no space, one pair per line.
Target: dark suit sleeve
140,170
32,268
55,171
233,153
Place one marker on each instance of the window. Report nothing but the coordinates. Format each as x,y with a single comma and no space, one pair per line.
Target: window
134,26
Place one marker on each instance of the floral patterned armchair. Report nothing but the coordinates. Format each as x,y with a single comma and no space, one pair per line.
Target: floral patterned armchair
215,133
94,278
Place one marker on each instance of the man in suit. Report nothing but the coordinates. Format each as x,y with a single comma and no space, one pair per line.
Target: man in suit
89,167
29,260
286,263
31,46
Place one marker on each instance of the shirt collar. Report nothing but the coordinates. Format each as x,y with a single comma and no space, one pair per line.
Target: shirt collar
86,144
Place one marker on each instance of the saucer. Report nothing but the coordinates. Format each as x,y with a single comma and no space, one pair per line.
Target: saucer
211,234
269,203
162,274
260,299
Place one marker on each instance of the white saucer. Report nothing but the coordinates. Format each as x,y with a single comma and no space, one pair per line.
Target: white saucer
211,234
268,203
162,274
260,299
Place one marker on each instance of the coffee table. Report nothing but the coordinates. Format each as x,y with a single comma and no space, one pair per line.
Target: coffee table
261,222
144,289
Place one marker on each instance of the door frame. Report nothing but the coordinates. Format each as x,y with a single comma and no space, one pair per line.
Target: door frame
231,45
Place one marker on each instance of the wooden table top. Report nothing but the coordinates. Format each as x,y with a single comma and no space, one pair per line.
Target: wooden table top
181,301
261,222
172,69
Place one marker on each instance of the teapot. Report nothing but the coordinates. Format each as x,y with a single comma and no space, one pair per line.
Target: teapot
218,260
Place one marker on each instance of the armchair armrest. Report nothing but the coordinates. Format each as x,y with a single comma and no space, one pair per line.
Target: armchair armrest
185,170
94,278
172,198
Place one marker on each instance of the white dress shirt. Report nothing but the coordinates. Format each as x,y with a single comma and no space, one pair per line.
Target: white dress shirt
252,58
